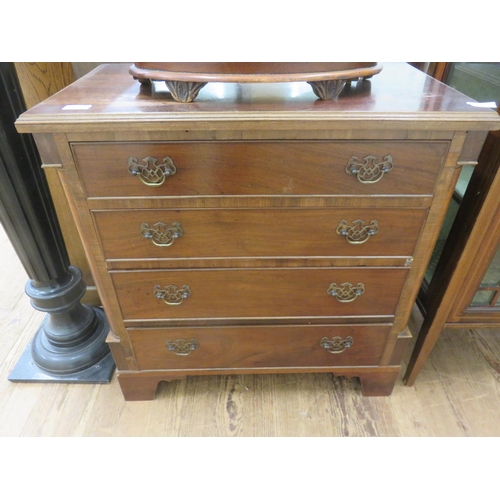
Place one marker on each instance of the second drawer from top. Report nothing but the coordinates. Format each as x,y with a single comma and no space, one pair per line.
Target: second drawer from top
207,233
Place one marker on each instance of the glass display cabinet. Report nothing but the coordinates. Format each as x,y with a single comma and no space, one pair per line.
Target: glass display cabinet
462,283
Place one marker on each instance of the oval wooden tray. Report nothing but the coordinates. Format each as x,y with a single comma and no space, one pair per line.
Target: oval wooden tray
185,80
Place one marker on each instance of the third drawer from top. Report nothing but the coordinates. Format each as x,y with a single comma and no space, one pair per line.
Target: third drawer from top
259,293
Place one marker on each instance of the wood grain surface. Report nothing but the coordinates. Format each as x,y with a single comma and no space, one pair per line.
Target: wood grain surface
258,233
424,103
260,346
259,168
455,395
263,150
258,293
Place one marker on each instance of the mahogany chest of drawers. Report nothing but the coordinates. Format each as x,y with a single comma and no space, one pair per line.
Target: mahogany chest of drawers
258,230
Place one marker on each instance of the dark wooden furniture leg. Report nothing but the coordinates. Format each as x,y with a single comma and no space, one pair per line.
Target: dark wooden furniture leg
141,388
380,383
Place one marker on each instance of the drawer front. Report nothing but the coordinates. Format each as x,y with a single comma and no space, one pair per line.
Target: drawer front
257,293
259,168
167,234
257,347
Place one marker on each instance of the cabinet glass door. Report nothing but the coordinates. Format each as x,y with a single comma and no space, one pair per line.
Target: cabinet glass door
488,292
481,82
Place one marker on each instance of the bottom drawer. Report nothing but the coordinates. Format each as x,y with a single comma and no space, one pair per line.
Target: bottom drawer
258,346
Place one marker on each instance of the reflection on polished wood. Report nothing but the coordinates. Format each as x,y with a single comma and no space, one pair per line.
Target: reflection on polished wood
185,80
371,104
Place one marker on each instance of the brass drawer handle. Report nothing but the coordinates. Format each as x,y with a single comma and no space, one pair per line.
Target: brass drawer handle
182,347
370,171
149,172
346,292
357,232
336,345
160,234
172,295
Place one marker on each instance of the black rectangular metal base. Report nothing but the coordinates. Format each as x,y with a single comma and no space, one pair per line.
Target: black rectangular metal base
26,370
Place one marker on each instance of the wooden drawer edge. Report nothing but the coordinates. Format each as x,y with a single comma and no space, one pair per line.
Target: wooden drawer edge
400,346
249,262
260,201
307,320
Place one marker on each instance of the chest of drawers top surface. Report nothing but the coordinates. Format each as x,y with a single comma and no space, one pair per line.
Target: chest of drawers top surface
109,98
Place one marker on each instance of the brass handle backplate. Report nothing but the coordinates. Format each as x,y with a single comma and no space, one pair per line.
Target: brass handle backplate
149,171
357,232
182,347
346,292
336,345
371,170
160,234
172,295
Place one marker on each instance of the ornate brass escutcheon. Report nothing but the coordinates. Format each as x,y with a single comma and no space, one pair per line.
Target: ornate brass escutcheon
149,172
371,170
346,292
336,345
172,295
357,232
160,234
182,347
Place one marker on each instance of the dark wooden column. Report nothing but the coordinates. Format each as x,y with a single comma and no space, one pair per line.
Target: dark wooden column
70,344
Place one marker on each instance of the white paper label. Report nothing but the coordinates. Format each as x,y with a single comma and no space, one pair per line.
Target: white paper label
76,106
483,104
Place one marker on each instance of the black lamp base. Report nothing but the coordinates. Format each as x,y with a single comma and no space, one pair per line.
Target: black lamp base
70,346
87,361
26,370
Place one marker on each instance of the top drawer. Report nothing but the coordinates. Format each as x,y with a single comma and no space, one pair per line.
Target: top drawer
259,168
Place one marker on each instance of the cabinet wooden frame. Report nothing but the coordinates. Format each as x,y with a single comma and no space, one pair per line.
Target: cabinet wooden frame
473,240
